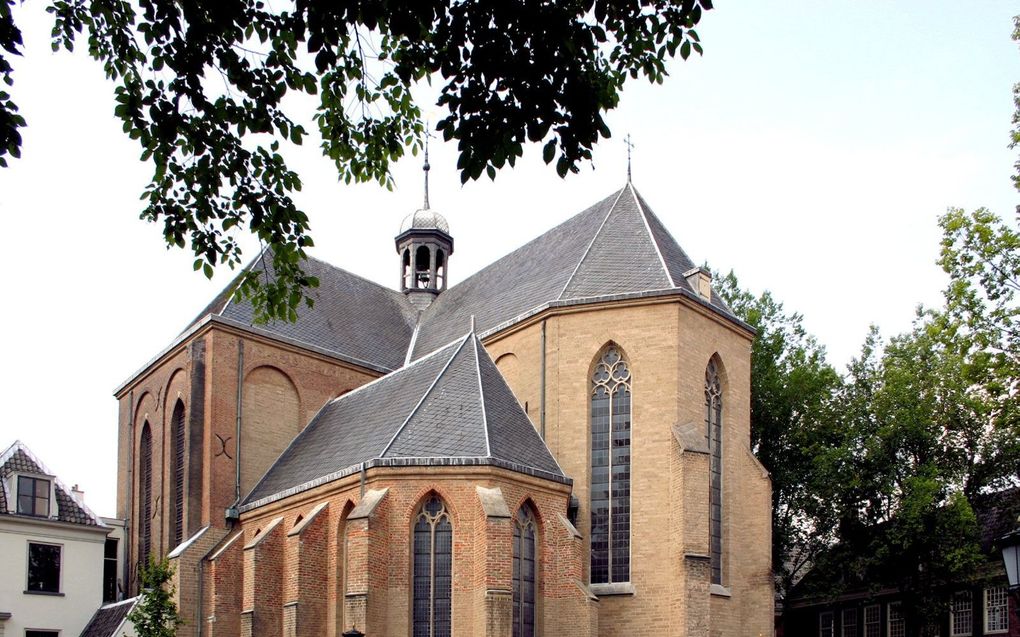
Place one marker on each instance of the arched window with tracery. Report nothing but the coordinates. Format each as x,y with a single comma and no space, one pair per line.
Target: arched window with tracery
433,570
524,572
177,472
145,493
610,468
713,432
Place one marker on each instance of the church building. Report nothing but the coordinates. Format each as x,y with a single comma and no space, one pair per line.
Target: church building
558,445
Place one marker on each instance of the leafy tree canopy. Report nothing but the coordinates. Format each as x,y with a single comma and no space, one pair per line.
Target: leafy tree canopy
204,86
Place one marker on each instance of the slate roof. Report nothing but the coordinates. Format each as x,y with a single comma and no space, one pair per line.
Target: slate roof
616,247
19,459
451,407
352,318
108,619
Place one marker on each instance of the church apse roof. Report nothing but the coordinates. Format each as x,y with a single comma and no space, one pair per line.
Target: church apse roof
450,407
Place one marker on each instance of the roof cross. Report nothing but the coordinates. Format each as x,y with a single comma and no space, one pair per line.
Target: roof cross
630,146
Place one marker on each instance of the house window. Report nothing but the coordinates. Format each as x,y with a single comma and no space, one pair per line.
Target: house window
872,621
110,571
825,624
961,615
849,627
33,496
610,469
897,624
43,568
42,633
524,573
713,432
433,570
996,610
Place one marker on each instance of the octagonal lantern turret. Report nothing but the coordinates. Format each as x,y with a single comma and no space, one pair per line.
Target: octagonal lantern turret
424,245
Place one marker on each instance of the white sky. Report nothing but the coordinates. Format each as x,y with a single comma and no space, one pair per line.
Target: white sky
811,151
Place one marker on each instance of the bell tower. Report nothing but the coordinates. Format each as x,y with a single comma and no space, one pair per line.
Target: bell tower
424,245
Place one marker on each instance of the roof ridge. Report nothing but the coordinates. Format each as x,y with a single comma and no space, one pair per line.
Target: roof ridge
591,243
428,391
481,396
414,340
651,235
254,262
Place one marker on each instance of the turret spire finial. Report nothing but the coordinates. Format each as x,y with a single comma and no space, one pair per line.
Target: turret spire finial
630,146
426,167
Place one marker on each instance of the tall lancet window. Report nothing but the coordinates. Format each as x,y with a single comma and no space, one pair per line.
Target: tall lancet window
713,431
610,469
525,546
145,494
433,570
177,469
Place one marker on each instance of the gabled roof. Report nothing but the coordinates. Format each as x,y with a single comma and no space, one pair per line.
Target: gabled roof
618,246
451,407
352,318
109,618
18,458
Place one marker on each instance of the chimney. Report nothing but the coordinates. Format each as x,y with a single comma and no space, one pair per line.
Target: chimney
701,280
78,494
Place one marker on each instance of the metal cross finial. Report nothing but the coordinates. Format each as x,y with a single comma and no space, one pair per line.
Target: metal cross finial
630,145
426,167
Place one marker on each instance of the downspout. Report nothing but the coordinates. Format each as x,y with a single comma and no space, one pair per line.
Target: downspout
232,513
131,491
541,412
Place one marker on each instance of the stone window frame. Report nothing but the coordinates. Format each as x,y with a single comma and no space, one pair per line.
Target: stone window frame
178,501
714,405
611,381
59,592
433,520
525,519
145,499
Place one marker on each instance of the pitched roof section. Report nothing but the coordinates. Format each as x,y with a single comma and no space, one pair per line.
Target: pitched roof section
18,458
450,407
618,246
108,619
352,317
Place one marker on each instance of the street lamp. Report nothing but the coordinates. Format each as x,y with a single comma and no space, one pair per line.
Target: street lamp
1010,544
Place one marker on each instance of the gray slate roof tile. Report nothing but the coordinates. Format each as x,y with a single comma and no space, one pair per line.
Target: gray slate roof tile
108,619
450,405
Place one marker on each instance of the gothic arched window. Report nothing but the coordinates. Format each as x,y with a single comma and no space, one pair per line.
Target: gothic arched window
525,551
433,570
610,469
713,431
177,471
145,493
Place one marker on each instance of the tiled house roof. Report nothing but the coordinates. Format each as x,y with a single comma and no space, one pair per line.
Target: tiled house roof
108,619
19,459
451,407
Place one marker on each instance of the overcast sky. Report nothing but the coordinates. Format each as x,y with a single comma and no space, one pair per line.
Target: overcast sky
810,151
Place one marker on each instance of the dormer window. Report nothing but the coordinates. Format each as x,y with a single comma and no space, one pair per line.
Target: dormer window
34,496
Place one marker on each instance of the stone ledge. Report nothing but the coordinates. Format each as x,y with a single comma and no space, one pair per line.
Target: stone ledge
623,588
720,591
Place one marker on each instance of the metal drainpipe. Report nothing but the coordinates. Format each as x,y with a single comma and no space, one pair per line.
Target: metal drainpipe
131,491
541,413
231,513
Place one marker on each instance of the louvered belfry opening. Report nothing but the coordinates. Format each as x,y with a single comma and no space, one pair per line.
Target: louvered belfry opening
713,431
177,471
433,570
610,469
145,494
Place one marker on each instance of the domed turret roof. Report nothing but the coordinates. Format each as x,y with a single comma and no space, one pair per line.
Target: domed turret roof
425,219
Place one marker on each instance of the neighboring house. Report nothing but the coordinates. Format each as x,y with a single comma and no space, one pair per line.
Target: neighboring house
111,620
51,548
980,605
557,445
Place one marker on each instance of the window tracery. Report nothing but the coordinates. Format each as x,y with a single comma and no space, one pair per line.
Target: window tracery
524,572
713,431
433,570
